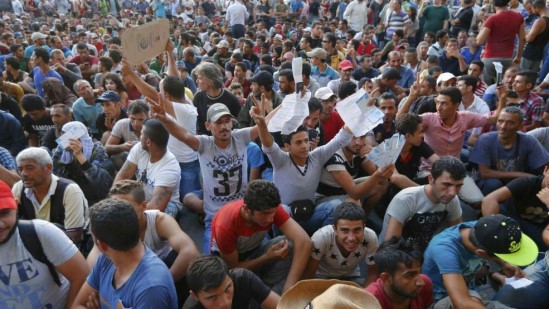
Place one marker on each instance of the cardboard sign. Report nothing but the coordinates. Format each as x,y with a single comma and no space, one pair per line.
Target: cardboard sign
146,41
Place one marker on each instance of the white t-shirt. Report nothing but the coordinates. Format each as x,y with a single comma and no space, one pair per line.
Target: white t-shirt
27,283
185,115
165,172
332,263
123,130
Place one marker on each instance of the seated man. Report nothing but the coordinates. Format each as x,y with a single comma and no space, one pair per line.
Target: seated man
36,285
127,273
214,286
339,248
162,234
401,283
519,200
60,115
296,173
43,195
456,257
126,132
37,121
112,112
507,154
416,213
84,162
240,227
151,163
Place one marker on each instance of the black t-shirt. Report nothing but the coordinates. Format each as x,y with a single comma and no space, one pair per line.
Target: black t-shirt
316,43
380,134
203,102
425,104
49,140
526,203
247,286
409,166
353,169
8,104
39,127
100,122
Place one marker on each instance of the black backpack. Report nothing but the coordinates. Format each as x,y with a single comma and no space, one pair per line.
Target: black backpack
32,243
57,208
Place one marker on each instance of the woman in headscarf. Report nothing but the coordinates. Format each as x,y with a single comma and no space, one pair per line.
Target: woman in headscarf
84,162
55,92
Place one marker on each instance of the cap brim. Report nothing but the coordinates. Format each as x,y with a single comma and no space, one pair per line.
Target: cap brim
527,254
216,117
8,203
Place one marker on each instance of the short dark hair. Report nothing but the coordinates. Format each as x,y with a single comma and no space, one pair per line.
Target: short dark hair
261,195
115,55
349,211
287,138
390,74
288,74
515,110
314,105
82,46
449,164
43,54
388,96
138,107
306,69
399,33
174,86
345,89
14,48
13,62
395,252
114,222
529,76
32,102
440,34
408,123
206,272
453,93
469,80
501,3
431,81
115,78
331,37
129,187
479,63
106,62
155,131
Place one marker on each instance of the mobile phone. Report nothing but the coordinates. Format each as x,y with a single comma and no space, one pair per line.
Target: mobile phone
313,133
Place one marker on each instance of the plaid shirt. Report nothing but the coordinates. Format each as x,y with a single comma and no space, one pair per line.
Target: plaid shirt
533,108
6,160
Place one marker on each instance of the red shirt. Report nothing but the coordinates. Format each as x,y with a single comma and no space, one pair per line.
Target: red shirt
504,27
365,49
78,60
230,232
423,300
332,125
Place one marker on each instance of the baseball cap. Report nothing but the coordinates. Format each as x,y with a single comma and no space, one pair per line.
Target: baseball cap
345,65
278,37
181,65
322,293
278,26
108,96
444,77
222,43
262,78
317,52
216,111
502,236
18,35
7,200
324,93
307,29
38,35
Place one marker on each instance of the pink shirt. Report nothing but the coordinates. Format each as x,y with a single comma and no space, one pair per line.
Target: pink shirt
423,300
449,140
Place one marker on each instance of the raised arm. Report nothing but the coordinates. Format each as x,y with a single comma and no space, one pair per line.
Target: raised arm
172,66
405,108
258,114
144,88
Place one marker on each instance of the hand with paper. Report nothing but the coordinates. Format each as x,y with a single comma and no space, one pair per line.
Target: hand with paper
294,109
359,113
387,152
74,133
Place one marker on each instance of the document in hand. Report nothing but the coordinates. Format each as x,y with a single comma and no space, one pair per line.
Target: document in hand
75,133
388,151
358,115
291,114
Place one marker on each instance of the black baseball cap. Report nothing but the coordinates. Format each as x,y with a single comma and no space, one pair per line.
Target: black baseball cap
262,78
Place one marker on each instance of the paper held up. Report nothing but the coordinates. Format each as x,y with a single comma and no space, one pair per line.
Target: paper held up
387,152
357,115
74,133
291,114
146,41
297,68
499,72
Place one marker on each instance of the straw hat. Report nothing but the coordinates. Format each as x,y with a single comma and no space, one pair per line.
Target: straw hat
327,294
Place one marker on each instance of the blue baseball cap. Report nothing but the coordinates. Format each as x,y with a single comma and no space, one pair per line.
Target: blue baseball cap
108,96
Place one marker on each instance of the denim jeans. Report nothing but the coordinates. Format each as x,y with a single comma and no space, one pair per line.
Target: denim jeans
173,209
545,66
533,296
322,216
190,178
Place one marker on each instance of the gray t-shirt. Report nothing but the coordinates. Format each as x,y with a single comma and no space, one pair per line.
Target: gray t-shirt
419,215
223,170
542,135
123,130
298,182
26,282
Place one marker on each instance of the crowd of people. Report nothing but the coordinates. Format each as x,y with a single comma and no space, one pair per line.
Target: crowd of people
100,158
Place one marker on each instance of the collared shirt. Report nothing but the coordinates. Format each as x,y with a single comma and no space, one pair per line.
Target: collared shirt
237,14
533,108
324,77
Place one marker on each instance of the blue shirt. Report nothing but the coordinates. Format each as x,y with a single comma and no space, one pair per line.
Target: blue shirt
12,137
296,5
6,159
160,11
39,78
468,56
149,286
407,77
324,77
86,113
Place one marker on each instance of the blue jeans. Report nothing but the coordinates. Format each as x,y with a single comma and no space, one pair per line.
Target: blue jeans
322,216
545,66
173,209
238,30
207,235
489,185
190,178
533,296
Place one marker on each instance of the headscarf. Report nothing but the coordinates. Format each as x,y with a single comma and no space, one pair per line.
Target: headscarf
85,140
55,92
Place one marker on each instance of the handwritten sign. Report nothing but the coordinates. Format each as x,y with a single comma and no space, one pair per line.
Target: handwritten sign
357,114
146,41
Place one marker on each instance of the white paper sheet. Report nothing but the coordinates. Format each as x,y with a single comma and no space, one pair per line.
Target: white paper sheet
518,283
74,133
297,68
387,152
291,115
357,115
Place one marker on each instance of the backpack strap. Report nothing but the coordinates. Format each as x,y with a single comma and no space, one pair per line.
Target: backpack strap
57,210
26,208
32,243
